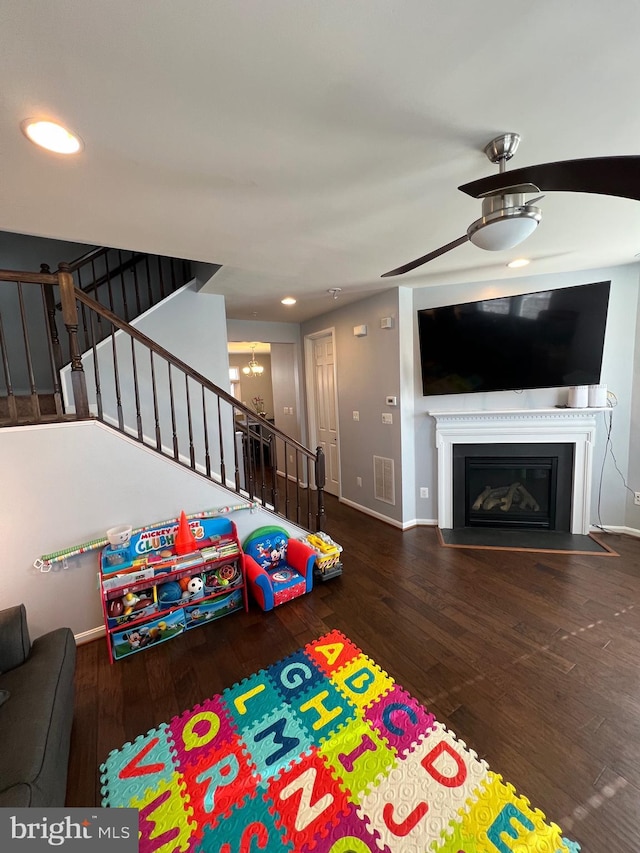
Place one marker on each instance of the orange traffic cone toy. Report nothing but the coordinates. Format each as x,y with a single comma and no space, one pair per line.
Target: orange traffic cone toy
185,542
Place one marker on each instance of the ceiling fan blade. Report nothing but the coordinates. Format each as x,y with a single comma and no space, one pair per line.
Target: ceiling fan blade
616,176
423,260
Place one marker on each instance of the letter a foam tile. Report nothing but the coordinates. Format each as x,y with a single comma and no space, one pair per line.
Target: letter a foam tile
320,753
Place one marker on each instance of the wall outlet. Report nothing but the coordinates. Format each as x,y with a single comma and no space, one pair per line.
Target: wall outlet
359,481
636,498
424,492
387,418
356,416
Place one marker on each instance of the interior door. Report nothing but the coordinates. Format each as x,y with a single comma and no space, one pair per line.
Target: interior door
325,409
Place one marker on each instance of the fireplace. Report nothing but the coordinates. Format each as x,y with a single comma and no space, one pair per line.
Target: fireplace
515,486
543,429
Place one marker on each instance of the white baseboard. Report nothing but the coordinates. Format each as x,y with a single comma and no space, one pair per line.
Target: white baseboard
616,528
88,636
402,525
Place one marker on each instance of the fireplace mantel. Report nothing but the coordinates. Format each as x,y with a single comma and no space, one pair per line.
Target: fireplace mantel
505,426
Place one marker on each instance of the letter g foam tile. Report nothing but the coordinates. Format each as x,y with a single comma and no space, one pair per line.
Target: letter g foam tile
320,753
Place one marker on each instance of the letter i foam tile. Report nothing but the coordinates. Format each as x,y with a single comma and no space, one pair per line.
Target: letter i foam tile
319,753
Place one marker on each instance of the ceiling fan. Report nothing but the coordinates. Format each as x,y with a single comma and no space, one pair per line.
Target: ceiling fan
508,217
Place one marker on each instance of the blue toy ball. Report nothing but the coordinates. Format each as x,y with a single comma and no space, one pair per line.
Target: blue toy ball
169,594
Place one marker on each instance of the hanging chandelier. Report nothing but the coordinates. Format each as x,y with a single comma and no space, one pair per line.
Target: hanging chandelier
253,368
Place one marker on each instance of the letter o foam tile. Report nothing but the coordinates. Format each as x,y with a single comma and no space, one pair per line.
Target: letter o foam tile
320,753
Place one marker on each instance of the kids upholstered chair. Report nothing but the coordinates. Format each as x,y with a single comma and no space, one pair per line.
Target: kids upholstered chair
277,567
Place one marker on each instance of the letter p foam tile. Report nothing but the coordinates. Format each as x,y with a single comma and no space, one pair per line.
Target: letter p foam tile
320,753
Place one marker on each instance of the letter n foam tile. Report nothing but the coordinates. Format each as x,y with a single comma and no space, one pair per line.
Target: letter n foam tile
308,800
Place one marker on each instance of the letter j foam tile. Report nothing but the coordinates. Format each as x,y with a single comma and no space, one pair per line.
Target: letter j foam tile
320,753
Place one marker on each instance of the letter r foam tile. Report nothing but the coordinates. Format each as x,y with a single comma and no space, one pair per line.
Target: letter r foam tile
319,753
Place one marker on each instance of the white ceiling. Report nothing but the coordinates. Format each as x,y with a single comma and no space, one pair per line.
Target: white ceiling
309,144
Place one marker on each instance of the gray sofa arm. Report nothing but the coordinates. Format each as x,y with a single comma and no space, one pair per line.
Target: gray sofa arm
15,644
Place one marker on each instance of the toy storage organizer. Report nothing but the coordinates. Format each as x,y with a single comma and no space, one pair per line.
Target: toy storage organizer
151,594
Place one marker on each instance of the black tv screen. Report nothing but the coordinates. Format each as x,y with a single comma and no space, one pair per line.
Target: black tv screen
548,339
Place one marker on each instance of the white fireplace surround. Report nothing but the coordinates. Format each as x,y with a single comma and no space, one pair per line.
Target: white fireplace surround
519,426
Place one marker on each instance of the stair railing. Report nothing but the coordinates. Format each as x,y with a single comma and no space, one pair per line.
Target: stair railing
115,373
141,389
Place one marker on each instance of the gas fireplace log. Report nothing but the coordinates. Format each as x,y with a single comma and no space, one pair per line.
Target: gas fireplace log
479,500
508,499
527,501
495,497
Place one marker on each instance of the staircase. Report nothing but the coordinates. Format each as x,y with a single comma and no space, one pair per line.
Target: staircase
69,352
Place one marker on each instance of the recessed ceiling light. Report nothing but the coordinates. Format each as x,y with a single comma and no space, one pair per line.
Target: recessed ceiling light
519,262
52,136
288,300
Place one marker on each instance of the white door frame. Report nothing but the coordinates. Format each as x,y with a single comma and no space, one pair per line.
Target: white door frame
309,373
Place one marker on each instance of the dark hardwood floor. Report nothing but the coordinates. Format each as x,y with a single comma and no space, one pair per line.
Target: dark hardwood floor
530,658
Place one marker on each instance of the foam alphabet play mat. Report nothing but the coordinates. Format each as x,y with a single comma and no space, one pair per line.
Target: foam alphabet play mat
321,752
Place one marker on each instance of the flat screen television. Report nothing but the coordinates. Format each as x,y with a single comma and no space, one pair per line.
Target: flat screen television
549,339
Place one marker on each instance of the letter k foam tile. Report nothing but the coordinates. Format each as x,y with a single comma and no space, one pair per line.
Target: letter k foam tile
320,753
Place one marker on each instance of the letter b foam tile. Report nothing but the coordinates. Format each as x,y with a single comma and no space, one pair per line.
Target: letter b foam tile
320,752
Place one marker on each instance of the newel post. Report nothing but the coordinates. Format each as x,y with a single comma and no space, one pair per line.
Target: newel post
50,303
70,318
320,481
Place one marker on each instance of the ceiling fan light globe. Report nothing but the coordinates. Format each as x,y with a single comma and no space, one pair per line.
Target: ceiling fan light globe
504,229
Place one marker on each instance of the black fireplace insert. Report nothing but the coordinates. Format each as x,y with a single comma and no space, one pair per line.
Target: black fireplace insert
525,486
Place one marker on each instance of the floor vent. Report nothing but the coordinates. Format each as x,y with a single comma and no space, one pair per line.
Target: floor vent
384,480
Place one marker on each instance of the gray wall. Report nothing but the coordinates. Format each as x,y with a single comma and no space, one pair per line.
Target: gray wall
617,373
368,370
633,479
254,386
286,369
